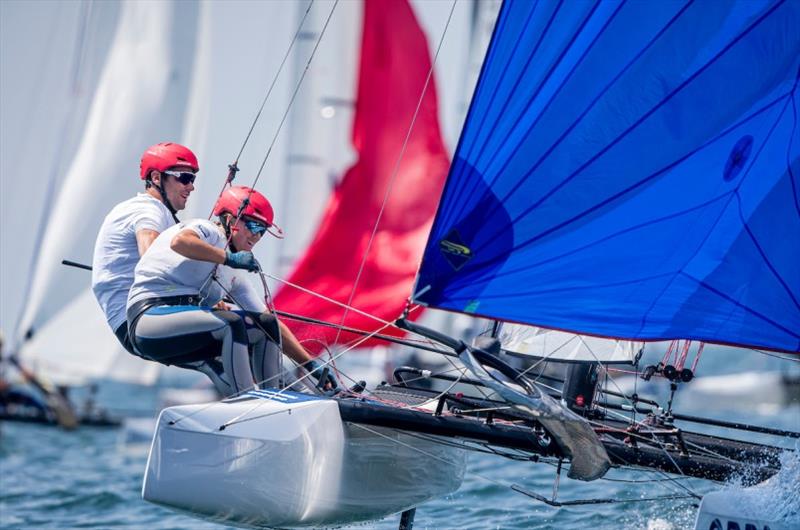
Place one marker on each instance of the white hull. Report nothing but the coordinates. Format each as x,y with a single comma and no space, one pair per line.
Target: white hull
290,461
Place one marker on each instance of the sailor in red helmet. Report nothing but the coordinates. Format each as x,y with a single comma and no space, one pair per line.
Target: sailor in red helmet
168,171
189,268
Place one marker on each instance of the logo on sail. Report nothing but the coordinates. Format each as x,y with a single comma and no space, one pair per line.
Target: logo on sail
454,250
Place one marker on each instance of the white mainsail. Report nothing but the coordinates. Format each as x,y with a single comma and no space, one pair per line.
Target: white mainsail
43,112
140,96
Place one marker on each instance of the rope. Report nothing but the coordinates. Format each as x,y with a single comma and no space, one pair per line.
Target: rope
697,357
331,300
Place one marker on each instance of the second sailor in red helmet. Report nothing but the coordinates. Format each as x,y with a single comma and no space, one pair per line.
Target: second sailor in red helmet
188,269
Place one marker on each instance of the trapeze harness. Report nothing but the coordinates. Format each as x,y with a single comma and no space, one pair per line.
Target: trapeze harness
235,349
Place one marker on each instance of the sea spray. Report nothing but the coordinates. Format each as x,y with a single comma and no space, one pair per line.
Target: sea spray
774,500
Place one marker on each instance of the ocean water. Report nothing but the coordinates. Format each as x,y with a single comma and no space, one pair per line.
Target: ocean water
91,478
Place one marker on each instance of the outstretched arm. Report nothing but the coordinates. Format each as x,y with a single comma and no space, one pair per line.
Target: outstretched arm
188,244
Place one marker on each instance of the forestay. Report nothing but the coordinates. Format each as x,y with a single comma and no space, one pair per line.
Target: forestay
629,169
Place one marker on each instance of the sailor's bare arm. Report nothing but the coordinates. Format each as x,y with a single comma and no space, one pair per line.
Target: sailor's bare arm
145,238
188,244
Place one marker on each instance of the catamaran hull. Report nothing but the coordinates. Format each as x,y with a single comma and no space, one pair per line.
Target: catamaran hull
290,461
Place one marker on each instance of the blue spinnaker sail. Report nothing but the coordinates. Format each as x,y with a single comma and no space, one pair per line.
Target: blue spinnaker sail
632,170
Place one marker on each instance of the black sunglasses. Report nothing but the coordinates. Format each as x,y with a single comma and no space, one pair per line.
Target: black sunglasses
255,227
184,177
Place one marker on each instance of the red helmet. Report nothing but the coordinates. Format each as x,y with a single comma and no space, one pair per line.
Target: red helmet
257,208
165,155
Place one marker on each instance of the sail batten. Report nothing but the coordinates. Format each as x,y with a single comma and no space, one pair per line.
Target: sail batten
626,171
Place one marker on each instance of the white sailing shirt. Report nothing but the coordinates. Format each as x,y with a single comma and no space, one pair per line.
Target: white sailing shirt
164,272
116,252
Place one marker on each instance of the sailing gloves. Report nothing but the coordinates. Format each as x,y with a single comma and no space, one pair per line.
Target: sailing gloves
242,260
322,374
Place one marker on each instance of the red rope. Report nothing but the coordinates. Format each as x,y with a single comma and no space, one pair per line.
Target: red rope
697,357
680,362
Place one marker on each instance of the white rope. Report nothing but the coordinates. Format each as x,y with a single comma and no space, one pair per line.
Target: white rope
329,299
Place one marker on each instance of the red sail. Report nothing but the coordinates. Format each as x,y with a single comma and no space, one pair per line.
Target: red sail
395,62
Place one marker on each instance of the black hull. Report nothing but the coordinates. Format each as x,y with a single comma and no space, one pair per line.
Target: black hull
667,449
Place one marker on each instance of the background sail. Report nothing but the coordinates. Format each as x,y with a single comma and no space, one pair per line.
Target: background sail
630,170
44,110
395,62
152,50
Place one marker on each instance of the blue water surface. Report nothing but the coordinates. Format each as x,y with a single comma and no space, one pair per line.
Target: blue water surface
89,478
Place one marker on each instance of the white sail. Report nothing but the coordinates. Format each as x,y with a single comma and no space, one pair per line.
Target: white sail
562,346
141,95
45,95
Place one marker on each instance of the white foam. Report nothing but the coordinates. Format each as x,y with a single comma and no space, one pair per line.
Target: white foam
774,500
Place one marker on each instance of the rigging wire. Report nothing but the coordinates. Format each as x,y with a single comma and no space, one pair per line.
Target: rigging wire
291,100
776,355
246,200
235,166
274,80
321,296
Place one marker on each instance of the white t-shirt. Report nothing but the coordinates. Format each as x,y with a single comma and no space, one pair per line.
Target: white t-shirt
164,272
116,252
